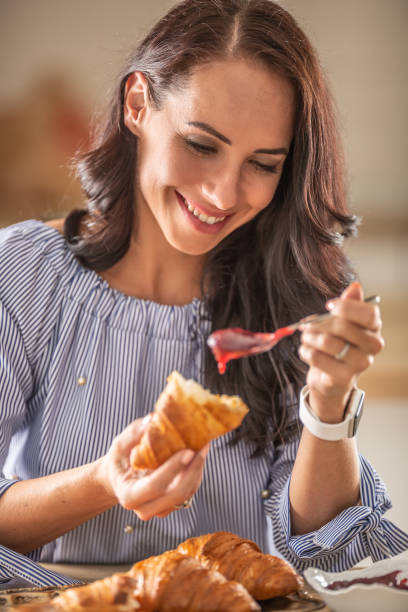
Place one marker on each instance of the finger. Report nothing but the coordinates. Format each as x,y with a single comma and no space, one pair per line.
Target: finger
145,488
119,452
366,342
355,359
204,451
363,314
131,435
163,514
339,372
183,487
353,292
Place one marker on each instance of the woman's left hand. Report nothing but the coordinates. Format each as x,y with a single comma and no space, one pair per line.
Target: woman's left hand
334,368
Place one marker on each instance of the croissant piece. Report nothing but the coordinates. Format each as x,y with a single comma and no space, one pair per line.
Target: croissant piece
116,593
171,582
174,582
264,576
185,416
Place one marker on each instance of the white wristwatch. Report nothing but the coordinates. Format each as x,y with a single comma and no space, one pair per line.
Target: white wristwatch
332,431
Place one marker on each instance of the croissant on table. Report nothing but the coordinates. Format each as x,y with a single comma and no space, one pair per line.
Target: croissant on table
264,576
171,582
185,416
112,594
210,573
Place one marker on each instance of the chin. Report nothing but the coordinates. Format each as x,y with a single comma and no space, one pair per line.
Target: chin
192,247
194,251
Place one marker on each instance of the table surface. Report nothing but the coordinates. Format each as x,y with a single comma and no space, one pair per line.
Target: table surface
308,601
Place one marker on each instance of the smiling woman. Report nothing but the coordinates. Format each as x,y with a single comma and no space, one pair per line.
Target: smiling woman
198,184
215,197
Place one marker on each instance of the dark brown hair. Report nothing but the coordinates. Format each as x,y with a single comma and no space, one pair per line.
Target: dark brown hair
287,261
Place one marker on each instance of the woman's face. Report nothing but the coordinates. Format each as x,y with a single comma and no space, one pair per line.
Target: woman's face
211,158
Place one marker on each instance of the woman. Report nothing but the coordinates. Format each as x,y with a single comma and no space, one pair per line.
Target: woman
214,197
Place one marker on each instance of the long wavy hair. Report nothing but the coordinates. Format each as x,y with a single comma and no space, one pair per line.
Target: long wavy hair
288,260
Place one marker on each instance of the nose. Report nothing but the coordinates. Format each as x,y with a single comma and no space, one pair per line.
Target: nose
223,190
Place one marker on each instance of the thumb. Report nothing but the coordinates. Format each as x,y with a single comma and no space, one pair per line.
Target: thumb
353,292
132,434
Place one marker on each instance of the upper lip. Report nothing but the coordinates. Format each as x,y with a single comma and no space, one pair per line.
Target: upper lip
203,209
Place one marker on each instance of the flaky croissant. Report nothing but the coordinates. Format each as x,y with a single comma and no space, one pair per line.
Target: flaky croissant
116,593
185,416
264,576
171,582
175,582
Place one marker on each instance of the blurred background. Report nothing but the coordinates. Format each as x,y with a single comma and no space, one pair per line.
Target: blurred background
58,61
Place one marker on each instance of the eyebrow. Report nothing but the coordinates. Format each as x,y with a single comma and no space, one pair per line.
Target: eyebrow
210,130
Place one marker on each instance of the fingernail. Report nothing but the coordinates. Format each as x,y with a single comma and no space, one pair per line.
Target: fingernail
204,451
146,419
187,457
330,304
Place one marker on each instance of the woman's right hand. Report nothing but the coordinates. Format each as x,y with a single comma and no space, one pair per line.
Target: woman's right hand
160,491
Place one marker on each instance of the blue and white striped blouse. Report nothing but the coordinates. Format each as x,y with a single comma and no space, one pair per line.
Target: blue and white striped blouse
78,362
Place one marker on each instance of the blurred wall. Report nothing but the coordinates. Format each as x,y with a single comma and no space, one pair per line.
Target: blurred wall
58,60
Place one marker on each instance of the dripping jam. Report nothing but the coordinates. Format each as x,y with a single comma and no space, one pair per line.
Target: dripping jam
234,343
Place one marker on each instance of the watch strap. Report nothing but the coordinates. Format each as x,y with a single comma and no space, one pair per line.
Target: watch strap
332,431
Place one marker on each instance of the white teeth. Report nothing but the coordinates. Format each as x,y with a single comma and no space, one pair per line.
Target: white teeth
202,216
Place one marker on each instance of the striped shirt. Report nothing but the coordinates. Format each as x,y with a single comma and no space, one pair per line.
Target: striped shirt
78,362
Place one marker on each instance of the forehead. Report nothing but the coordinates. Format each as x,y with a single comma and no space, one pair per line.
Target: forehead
237,95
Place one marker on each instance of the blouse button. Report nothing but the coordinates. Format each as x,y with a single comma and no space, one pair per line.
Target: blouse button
81,381
128,529
265,494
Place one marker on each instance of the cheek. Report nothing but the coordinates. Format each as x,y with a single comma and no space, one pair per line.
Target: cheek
262,193
169,168
183,169
154,165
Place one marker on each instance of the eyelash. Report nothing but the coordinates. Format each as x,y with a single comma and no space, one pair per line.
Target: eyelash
199,148
265,168
205,150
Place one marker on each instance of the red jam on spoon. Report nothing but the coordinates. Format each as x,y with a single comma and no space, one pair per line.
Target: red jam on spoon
234,342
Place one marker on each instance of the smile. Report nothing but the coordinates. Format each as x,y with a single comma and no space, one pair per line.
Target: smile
200,215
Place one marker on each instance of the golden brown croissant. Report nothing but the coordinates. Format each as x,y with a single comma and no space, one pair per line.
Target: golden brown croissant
171,582
113,594
185,416
264,576
175,582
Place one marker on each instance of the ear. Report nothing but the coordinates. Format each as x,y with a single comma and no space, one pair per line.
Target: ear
136,101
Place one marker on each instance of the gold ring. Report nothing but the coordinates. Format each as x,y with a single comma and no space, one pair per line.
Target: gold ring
341,354
186,503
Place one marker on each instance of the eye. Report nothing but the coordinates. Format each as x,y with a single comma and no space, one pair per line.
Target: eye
197,147
259,167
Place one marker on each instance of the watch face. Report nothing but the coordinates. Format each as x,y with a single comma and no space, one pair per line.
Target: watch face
358,415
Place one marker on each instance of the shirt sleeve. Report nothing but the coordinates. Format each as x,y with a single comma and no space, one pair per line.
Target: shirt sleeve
22,276
29,285
15,387
356,533
17,571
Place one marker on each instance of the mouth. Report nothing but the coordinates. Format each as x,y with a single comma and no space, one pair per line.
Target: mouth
199,214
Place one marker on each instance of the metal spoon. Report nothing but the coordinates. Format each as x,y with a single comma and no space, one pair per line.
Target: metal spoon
234,342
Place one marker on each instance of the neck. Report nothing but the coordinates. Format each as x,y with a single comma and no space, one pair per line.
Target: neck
154,270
